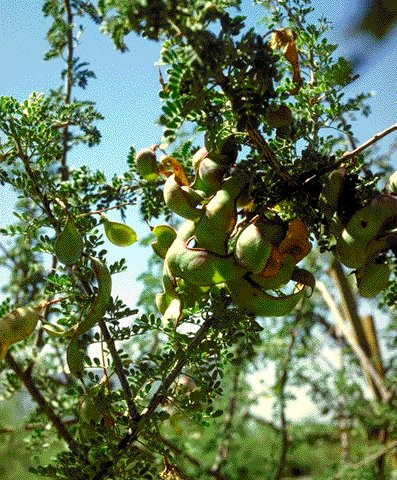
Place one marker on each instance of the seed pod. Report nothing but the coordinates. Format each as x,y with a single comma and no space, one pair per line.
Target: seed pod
186,230
281,278
368,222
331,192
391,185
119,234
69,244
209,176
146,163
215,226
165,236
182,199
198,157
252,248
18,325
101,301
200,267
75,358
351,252
249,296
372,278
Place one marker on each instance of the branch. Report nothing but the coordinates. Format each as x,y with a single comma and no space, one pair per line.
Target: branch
68,87
30,426
386,395
158,397
132,409
283,383
192,460
368,459
369,142
224,447
37,396
349,310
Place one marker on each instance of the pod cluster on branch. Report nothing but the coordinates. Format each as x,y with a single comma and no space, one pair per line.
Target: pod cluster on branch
366,236
211,250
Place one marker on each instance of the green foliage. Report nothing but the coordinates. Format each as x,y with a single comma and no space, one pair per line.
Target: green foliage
129,391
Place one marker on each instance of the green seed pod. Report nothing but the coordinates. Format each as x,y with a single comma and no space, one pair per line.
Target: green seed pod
214,228
209,176
252,248
278,116
281,278
69,244
186,230
372,279
165,236
162,302
75,358
391,185
198,157
351,252
146,164
200,267
249,296
368,222
18,325
182,199
101,301
119,234
331,192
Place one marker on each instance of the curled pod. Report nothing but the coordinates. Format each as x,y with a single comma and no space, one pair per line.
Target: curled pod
219,219
391,184
198,157
165,235
279,279
372,278
252,248
331,192
146,163
69,244
119,234
209,176
296,242
351,252
186,230
101,300
246,294
163,301
18,325
201,267
368,222
182,199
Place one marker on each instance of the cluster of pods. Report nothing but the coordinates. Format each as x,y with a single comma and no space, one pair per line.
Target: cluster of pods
368,234
212,251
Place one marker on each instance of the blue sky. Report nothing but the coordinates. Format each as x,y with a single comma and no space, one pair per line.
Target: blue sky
126,89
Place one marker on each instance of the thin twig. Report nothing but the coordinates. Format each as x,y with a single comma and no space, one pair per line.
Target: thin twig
368,459
283,403
37,396
192,460
30,426
369,142
98,212
118,365
224,447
